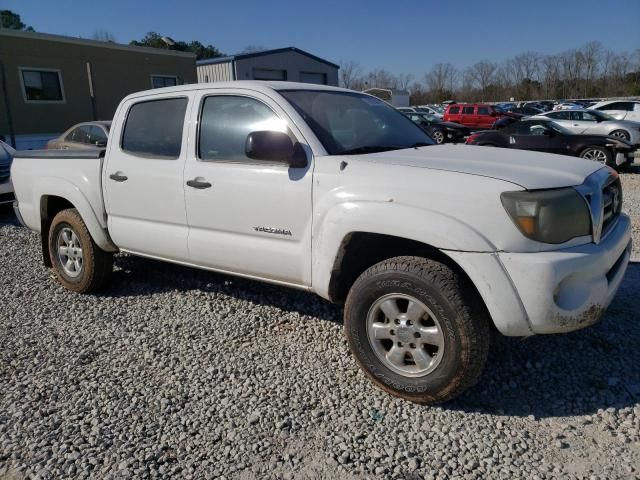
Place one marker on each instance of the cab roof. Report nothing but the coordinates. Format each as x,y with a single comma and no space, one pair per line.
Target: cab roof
256,85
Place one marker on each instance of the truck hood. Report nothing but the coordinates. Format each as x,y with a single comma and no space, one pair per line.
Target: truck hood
530,170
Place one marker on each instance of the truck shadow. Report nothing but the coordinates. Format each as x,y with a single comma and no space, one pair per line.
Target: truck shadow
544,376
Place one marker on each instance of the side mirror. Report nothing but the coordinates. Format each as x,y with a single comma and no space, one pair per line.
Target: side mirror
100,144
493,114
275,147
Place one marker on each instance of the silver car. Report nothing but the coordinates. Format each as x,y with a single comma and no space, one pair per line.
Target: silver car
82,136
594,122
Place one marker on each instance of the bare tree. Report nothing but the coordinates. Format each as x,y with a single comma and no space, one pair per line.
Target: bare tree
350,74
482,74
591,58
441,79
103,36
381,78
403,80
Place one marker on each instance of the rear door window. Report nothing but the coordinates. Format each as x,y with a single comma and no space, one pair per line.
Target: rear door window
154,128
454,110
467,110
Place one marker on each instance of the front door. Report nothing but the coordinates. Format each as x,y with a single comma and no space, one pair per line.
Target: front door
246,216
143,177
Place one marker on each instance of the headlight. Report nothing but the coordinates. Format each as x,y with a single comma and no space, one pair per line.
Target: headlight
549,216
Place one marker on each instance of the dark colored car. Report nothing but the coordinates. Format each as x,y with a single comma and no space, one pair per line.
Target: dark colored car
548,136
440,131
526,110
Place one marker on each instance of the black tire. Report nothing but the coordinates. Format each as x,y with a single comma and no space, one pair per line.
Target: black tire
623,134
96,266
454,302
592,149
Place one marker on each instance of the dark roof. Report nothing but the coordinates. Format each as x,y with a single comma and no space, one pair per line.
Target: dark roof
91,43
260,53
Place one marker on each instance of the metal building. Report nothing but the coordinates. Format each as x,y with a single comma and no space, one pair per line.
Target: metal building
50,82
284,64
397,98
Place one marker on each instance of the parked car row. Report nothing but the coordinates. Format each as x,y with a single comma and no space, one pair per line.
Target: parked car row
544,135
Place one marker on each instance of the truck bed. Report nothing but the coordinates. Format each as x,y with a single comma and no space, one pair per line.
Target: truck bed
75,175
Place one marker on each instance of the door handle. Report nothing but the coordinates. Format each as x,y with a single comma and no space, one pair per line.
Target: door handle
199,184
118,178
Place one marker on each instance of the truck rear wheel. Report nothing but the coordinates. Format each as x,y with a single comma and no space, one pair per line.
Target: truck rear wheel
80,265
417,329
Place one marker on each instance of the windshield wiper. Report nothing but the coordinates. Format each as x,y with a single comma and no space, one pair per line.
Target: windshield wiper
380,148
418,144
368,149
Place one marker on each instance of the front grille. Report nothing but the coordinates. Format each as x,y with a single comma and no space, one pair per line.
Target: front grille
611,204
7,197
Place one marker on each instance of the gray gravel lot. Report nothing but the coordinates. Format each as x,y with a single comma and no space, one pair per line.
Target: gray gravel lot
179,373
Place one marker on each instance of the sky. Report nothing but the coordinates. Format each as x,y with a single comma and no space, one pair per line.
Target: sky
407,36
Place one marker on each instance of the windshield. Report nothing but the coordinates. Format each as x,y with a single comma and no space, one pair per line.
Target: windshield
601,115
353,123
558,128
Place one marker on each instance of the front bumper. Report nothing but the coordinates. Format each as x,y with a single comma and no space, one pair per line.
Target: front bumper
6,193
553,291
565,290
623,158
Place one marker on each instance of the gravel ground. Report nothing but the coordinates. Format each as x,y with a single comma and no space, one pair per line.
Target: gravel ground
178,373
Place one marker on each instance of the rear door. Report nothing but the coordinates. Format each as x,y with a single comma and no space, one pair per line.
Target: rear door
581,122
143,176
563,117
468,116
246,216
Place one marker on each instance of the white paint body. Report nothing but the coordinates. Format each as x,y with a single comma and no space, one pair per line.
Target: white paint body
446,196
634,115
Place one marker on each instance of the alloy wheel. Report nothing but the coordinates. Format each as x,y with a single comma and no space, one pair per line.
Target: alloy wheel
405,335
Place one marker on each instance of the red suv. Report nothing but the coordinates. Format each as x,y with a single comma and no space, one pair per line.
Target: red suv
479,115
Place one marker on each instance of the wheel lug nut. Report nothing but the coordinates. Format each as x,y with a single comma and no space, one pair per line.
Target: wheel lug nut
417,334
396,321
400,344
392,332
412,345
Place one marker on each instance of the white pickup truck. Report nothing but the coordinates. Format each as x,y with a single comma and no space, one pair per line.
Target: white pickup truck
333,191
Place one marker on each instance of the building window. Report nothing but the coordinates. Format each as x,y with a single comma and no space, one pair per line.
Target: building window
160,81
41,85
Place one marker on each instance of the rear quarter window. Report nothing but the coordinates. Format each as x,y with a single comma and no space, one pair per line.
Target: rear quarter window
154,128
483,110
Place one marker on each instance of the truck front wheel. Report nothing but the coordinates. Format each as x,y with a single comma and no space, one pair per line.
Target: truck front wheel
80,265
417,329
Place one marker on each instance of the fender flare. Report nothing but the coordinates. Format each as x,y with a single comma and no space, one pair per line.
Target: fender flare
58,187
430,227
